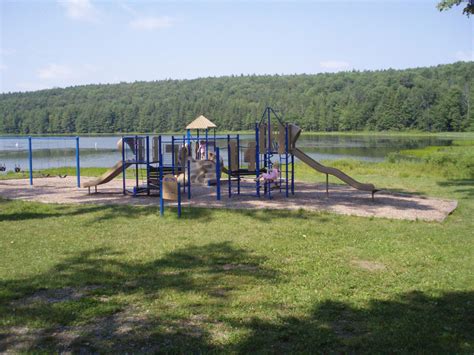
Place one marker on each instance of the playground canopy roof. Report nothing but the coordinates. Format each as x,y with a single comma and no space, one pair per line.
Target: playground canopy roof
201,123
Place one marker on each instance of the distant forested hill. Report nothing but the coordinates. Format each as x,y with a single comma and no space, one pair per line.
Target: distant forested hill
429,99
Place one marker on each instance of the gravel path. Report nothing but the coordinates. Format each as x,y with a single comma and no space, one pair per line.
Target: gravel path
342,199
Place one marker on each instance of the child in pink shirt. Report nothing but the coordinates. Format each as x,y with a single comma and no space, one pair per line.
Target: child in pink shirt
272,175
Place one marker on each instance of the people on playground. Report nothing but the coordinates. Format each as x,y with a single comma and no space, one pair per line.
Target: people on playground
183,148
202,150
271,176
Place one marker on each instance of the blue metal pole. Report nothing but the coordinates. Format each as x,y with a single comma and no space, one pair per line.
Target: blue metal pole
78,163
280,174
179,200
269,187
147,140
215,139
172,154
61,138
269,149
207,141
124,183
161,169
269,130
183,162
218,174
229,157
159,151
188,136
286,158
238,164
198,145
189,180
292,174
30,159
160,177
257,160
137,155
162,204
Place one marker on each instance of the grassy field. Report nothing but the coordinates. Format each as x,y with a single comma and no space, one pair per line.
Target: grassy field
88,278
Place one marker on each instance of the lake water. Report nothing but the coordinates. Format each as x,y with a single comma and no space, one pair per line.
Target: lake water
103,152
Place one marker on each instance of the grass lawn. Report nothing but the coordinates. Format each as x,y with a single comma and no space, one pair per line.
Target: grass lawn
92,278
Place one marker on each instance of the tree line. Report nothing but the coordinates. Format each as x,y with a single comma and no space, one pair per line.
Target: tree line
428,99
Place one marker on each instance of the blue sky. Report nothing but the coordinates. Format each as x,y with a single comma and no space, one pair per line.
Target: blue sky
46,44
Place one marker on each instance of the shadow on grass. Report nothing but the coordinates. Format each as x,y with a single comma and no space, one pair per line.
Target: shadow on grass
394,190
74,306
31,211
269,215
28,211
462,186
96,212
97,302
412,323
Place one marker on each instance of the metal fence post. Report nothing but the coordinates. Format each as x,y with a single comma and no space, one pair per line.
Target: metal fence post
78,164
30,158
218,174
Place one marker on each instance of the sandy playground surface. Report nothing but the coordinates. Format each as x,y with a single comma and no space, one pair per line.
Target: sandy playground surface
342,199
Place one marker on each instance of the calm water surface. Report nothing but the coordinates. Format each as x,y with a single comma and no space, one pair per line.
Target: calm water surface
103,152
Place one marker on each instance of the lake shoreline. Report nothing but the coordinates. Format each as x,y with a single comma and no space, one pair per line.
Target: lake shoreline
414,133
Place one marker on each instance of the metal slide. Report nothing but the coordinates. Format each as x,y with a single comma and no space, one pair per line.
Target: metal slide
108,176
333,171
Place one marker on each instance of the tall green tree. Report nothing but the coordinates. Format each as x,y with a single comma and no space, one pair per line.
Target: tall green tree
448,4
434,98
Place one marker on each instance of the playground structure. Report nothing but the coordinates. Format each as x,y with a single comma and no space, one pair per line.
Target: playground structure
168,167
182,161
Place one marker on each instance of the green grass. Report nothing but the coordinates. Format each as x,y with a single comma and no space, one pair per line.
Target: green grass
416,171
122,278
69,171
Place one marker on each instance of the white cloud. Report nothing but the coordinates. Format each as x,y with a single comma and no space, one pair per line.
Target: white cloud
146,22
334,64
151,23
27,86
80,9
128,9
58,75
465,56
55,72
7,51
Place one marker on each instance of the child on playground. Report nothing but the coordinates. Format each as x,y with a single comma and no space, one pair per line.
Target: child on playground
202,150
272,175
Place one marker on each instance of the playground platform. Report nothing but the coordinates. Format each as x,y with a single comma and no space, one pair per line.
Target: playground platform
309,196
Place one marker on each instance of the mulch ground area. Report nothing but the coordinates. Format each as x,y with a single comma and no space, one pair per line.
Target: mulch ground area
342,199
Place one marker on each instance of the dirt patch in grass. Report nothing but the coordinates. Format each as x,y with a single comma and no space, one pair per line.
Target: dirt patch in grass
56,295
368,265
119,329
343,329
129,330
243,267
16,339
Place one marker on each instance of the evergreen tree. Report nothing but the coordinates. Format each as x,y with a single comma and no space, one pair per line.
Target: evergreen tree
435,98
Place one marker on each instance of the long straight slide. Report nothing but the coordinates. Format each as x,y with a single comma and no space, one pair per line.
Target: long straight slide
108,176
332,171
